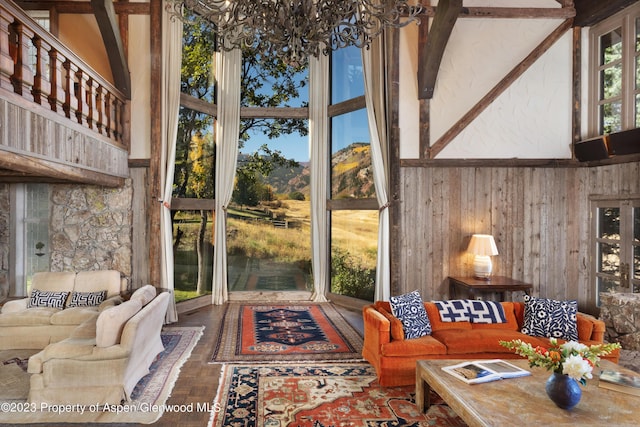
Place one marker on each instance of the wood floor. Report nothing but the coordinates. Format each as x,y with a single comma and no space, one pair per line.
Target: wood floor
198,381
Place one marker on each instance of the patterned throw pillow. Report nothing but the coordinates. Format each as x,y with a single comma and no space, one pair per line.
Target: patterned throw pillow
455,310
486,312
550,318
409,308
87,299
47,299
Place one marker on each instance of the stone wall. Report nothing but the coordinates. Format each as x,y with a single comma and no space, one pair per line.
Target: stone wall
5,234
621,314
90,228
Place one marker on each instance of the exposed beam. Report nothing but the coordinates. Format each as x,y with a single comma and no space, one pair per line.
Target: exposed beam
25,166
83,7
431,56
590,12
497,90
110,30
509,12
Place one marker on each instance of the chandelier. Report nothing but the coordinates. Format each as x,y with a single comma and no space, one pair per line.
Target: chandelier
296,29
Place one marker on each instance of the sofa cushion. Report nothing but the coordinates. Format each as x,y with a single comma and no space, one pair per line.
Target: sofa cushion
86,299
53,280
409,308
550,318
425,345
437,324
455,310
509,310
98,280
112,320
144,294
486,312
73,316
459,341
29,317
53,299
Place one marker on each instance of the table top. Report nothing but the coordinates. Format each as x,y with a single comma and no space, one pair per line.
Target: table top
497,283
524,402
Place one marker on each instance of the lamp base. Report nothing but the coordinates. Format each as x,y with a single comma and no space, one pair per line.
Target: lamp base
482,267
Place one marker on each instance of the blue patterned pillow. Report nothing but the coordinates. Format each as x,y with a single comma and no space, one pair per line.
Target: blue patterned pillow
455,310
47,299
87,299
550,318
486,312
409,308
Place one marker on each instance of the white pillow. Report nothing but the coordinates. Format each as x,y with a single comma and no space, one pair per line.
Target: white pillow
112,320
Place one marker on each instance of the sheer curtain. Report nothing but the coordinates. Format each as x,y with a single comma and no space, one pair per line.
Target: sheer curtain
172,57
373,61
318,138
228,75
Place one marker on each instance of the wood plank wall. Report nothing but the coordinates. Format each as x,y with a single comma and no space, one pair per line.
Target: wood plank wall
540,218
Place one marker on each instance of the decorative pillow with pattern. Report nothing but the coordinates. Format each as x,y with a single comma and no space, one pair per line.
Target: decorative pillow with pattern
409,308
455,310
550,318
47,299
87,299
486,312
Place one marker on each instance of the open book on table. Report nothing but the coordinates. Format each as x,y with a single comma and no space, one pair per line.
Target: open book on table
482,371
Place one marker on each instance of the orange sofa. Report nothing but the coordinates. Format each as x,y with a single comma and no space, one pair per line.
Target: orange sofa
394,357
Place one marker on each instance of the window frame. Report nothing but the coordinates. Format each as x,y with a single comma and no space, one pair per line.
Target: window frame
626,242
626,20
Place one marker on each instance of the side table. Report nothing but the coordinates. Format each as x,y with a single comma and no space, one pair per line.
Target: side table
477,289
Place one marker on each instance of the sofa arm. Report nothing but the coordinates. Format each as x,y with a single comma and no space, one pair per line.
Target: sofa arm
590,328
110,302
377,328
14,306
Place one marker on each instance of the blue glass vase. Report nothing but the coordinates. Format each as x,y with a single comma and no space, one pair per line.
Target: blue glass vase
563,390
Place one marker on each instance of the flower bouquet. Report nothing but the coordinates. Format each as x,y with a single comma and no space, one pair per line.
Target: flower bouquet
571,358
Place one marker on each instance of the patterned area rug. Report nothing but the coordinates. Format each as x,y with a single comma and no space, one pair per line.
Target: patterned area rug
285,332
320,395
147,399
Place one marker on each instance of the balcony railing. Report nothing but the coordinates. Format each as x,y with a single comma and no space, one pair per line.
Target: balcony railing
40,69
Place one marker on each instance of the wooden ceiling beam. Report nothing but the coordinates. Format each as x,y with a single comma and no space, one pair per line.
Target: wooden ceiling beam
509,12
110,29
590,12
430,56
83,7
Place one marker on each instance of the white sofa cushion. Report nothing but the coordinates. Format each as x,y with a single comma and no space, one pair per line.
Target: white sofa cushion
144,294
73,316
53,281
111,322
32,317
98,280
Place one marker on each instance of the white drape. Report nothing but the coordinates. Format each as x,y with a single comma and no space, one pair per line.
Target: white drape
228,74
319,146
172,58
373,61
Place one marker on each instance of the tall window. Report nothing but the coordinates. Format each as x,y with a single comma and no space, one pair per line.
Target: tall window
353,206
616,245
615,77
30,217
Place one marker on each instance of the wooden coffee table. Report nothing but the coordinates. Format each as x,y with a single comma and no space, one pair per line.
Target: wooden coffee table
523,401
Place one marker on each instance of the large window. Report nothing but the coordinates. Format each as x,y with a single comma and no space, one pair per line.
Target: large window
352,204
616,245
615,77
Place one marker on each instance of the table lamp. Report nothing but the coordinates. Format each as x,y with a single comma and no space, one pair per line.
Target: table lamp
483,247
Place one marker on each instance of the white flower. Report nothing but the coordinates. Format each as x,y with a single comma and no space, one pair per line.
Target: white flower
577,368
574,347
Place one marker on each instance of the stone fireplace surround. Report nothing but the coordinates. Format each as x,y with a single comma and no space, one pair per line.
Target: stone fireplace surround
621,315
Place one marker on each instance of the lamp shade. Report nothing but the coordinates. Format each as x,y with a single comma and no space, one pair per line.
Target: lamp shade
482,244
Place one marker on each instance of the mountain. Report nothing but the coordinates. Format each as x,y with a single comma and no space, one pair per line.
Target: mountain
352,175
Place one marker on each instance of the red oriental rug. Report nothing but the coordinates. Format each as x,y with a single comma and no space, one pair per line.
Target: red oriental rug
320,395
285,332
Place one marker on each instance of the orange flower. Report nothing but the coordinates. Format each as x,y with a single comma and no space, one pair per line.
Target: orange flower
541,350
555,356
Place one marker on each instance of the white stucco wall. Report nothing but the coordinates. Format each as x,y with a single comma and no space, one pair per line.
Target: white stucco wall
531,119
